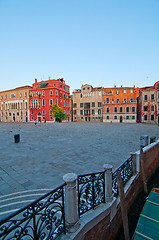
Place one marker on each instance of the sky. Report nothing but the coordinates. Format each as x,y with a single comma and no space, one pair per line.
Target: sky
98,42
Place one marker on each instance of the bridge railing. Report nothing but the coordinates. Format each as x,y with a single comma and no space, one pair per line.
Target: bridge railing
42,219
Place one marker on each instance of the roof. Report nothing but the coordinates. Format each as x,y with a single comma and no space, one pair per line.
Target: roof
148,224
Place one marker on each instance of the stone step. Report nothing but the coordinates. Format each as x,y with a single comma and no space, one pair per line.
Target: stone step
12,202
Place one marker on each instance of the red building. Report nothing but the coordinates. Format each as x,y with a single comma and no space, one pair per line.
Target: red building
44,95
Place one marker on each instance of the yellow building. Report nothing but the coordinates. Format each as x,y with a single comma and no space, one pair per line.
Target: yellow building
14,105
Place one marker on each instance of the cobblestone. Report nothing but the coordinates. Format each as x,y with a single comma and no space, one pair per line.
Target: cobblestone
46,152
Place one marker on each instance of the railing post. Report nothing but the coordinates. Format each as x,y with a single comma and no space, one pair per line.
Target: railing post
108,182
133,155
71,208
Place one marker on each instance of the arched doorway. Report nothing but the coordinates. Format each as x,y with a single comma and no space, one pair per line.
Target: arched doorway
13,117
39,116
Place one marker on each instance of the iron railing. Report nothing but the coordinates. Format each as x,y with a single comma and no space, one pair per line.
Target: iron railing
126,170
91,191
42,219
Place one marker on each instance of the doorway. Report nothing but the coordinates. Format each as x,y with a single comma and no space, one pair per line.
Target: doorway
121,119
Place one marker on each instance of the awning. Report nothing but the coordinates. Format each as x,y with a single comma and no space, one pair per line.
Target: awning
148,225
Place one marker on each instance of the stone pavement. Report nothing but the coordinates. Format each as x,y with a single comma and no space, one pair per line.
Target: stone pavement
48,151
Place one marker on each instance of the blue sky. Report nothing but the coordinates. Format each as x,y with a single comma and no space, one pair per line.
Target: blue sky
99,42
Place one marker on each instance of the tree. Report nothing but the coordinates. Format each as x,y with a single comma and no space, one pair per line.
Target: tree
57,113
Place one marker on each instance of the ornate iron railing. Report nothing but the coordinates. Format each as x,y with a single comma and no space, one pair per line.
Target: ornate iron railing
126,171
42,219
91,191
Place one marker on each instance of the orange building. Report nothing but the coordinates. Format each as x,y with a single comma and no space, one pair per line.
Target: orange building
120,104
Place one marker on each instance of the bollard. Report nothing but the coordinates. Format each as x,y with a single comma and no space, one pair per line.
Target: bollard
17,138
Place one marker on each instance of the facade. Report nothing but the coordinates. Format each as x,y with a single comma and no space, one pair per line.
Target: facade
120,104
148,104
14,105
44,95
87,104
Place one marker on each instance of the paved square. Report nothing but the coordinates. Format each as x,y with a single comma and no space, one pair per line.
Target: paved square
48,151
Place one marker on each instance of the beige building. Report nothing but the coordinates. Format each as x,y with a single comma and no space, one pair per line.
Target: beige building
14,105
87,104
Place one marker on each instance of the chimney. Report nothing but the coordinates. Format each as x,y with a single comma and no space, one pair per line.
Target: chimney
114,86
121,86
35,80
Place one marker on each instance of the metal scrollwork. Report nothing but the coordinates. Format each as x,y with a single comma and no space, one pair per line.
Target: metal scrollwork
91,191
42,219
126,173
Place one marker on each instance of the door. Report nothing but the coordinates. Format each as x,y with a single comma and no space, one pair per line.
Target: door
121,119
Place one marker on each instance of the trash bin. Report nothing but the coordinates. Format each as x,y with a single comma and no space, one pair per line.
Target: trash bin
144,140
17,138
152,139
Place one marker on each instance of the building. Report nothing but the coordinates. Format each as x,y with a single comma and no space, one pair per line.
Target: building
148,104
14,105
87,104
44,95
120,104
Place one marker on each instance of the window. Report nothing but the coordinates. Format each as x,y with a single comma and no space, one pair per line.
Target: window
43,112
107,117
51,118
152,108
56,101
56,93
32,118
131,90
93,111
43,102
5,96
1,97
75,105
17,113
25,94
133,117
115,117
64,103
51,102
152,97
81,105
145,117
115,109
127,117
131,100
86,105
31,112
93,104
152,117
133,109
124,100
127,109
50,92
99,104
43,93
74,112
60,94
107,100
145,97
121,109
64,87
10,114
54,85
50,111
117,100
99,111
107,109
145,108
60,86
124,91
81,112
117,91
